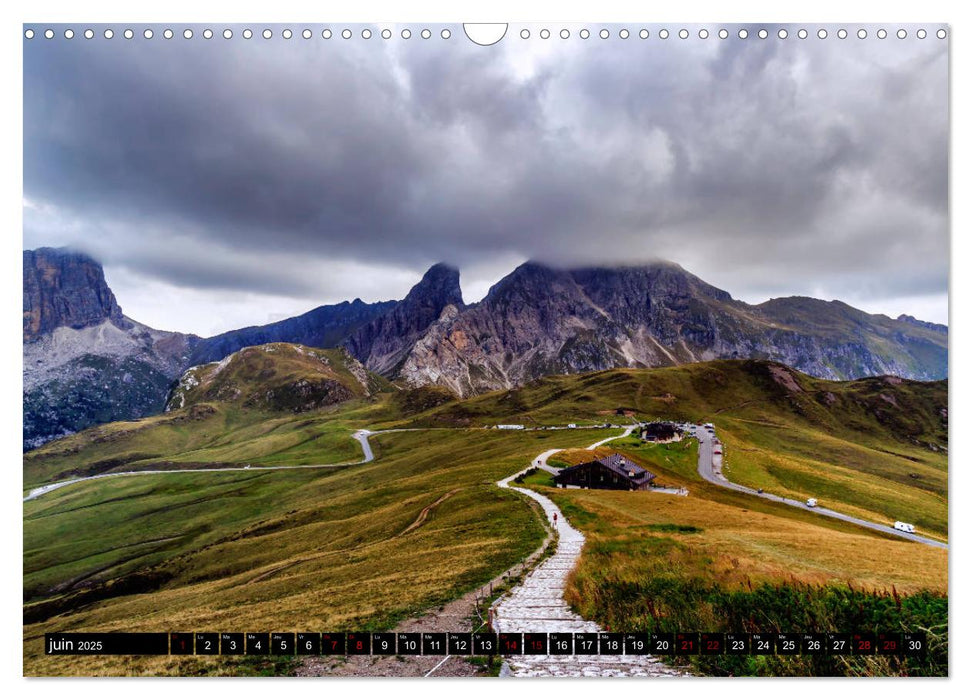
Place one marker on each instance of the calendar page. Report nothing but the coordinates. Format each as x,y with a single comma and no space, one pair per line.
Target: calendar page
528,350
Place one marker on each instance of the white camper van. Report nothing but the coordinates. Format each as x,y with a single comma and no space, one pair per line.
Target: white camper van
811,502
903,527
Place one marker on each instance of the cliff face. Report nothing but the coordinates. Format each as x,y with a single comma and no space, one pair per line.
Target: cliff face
64,288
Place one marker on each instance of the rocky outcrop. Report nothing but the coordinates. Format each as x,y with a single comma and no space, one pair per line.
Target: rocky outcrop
65,288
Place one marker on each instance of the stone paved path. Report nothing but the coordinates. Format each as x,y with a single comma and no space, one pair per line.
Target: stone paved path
537,605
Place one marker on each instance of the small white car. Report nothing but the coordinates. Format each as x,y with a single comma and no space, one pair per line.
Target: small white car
811,502
903,527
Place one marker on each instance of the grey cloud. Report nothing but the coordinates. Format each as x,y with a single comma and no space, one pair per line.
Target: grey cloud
769,166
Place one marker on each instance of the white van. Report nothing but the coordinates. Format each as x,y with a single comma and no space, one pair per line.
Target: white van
903,527
811,502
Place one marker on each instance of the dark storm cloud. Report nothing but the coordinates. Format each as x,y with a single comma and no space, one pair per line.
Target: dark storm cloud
767,167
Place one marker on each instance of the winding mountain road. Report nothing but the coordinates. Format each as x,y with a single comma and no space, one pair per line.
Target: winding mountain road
361,436
712,473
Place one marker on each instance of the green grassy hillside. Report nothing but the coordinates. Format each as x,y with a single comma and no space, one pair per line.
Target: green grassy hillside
278,377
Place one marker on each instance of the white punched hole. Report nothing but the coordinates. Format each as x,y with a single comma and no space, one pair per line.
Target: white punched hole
267,34
941,34
921,33
148,34
287,34
841,33
29,34
802,33
426,34
861,34
524,34
49,34
207,34
187,34
227,34
584,33
663,34
722,33
385,33
405,33
604,34
89,34
901,33
783,34
881,34
327,34
366,34
743,33
683,34
247,33
168,34
643,34
702,33
486,34
821,34
446,34
763,34
109,34
544,34
69,33
307,34
564,33
624,34
347,34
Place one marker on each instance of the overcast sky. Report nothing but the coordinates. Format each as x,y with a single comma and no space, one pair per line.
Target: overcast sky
228,183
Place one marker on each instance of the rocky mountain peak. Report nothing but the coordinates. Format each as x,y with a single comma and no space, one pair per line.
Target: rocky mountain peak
438,287
64,287
382,344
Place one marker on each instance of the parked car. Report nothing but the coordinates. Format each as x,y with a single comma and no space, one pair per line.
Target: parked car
811,502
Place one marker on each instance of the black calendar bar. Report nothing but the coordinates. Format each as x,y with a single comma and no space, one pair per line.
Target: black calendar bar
85,643
486,643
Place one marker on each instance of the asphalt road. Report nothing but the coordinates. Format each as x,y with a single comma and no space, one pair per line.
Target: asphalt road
709,473
361,436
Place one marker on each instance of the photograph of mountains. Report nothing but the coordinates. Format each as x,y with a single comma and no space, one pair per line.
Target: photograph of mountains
586,337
